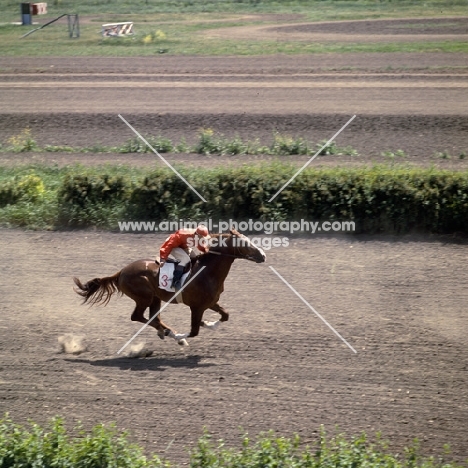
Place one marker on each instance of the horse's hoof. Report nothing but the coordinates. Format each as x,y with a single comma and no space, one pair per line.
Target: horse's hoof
180,336
211,325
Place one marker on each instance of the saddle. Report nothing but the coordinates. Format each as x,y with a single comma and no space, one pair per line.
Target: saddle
187,267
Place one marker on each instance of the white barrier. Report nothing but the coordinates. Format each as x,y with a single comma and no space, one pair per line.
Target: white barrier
117,29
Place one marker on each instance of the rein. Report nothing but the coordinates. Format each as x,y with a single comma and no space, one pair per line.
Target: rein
246,257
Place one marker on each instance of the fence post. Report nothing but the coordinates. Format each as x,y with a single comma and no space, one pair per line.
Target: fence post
26,17
73,26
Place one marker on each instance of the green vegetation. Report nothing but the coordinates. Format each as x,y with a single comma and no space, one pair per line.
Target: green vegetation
269,450
21,142
447,155
106,447
51,446
29,198
378,199
170,10
394,154
181,27
208,143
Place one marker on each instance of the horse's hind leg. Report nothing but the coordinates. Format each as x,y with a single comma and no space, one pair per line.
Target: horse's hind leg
221,311
215,325
163,329
137,314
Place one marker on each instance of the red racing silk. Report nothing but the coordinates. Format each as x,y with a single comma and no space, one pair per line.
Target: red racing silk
180,239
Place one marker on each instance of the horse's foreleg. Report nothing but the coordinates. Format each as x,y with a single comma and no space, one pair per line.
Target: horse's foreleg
196,321
197,315
214,325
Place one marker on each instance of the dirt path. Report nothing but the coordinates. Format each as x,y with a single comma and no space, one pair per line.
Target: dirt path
414,102
311,63
353,31
400,303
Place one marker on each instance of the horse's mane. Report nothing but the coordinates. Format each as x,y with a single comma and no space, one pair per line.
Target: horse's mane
205,258
217,236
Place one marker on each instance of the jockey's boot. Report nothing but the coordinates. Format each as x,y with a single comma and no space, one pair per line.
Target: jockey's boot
177,279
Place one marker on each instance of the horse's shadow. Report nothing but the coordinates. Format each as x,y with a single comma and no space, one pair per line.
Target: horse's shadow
146,364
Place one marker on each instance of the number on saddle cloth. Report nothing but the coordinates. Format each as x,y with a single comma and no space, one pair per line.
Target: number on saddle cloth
166,274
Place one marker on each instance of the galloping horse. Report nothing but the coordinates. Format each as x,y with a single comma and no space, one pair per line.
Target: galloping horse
140,281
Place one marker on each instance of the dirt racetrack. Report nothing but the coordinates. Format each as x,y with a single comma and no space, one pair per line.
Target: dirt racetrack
400,302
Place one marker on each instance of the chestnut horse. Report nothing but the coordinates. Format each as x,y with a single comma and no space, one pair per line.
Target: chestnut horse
140,281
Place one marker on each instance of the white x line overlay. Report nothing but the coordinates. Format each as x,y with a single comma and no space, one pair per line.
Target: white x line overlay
164,160
160,310
311,159
313,310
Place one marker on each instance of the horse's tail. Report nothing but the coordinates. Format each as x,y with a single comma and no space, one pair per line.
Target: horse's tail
98,290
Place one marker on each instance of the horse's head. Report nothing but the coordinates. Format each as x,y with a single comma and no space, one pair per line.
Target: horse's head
244,248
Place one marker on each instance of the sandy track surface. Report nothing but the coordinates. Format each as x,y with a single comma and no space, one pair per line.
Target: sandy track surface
399,303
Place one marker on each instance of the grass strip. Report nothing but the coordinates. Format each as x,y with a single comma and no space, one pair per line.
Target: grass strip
180,27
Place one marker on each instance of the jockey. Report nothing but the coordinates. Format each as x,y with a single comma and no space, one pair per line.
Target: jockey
179,245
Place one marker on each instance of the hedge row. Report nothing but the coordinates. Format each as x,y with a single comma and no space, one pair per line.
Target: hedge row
379,199
27,188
